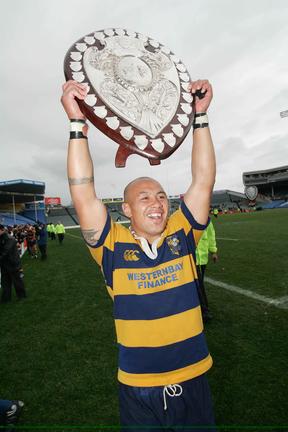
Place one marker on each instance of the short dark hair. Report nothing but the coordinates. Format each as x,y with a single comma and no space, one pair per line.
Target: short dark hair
2,227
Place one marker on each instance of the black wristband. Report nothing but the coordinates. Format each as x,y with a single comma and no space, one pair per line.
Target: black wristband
78,121
77,135
200,114
200,125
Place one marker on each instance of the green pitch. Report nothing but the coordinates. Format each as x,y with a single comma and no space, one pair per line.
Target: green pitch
59,352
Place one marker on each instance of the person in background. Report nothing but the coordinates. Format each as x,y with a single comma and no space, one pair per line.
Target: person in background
10,411
48,230
42,241
32,242
11,269
52,231
60,231
206,245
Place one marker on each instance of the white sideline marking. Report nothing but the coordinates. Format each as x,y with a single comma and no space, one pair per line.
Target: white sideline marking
281,302
72,235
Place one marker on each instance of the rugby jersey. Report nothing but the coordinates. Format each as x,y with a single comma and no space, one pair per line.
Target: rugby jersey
156,306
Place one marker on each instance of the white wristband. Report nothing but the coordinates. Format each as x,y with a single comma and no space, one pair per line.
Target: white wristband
201,119
76,126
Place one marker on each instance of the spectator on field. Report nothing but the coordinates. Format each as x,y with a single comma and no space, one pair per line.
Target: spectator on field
10,411
10,265
206,245
42,241
52,231
60,231
48,230
31,242
215,212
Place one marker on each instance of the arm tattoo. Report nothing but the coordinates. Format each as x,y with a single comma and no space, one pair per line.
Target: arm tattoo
90,236
81,180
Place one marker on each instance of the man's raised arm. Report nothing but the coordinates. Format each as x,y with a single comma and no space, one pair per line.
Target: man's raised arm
198,196
91,212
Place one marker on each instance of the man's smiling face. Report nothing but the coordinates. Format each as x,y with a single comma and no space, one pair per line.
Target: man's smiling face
146,205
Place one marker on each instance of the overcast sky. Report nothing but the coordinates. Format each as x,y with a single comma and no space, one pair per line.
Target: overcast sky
240,46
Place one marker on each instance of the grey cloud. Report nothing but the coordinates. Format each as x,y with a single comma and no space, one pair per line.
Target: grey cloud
272,152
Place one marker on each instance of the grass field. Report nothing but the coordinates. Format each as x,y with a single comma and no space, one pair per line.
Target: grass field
59,352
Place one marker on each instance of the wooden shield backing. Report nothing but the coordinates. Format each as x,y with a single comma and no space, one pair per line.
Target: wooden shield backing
138,92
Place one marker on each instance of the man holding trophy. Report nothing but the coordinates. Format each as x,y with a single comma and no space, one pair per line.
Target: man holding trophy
150,273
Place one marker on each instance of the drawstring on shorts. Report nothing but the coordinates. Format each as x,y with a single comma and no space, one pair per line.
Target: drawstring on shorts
171,390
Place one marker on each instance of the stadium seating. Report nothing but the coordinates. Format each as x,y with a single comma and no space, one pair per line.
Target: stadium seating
65,220
273,204
8,219
30,214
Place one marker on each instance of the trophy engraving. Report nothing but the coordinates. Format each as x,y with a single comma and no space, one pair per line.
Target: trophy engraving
138,92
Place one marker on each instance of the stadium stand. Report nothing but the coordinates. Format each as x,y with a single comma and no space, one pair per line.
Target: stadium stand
30,214
72,213
61,214
67,215
19,202
228,200
9,219
275,204
272,183
66,220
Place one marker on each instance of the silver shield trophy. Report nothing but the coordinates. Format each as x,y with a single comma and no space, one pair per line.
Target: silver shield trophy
138,92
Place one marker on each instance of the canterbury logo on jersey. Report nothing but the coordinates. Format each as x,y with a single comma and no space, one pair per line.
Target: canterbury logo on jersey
131,255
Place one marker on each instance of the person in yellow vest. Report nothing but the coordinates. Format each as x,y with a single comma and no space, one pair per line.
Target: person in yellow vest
52,231
206,245
60,231
48,228
215,212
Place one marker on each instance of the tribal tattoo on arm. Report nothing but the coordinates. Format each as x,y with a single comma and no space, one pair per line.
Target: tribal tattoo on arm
91,236
79,181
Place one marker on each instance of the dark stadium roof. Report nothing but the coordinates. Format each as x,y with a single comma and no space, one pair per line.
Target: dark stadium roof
226,195
267,171
22,191
271,182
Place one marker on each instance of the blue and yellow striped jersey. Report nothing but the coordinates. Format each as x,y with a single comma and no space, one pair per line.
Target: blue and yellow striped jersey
156,307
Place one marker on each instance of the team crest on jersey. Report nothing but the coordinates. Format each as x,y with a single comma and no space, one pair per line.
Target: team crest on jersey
174,244
131,255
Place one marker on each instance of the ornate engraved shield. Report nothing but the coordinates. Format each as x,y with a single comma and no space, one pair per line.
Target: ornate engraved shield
251,192
138,92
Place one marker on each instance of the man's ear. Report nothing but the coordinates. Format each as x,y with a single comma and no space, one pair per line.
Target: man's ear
126,209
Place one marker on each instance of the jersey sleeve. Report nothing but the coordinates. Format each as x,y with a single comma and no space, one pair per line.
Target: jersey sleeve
184,218
103,252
